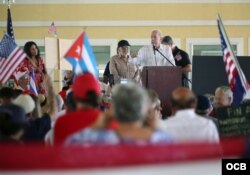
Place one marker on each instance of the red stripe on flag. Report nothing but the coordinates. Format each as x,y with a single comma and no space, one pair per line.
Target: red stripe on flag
227,55
13,68
232,83
8,62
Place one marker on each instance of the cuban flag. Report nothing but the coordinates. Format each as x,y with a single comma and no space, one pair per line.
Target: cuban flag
81,57
32,83
236,78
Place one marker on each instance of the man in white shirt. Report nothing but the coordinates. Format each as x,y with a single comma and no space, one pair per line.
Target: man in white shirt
150,56
185,125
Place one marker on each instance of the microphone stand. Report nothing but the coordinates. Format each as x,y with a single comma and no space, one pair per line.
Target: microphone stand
154,48
184,75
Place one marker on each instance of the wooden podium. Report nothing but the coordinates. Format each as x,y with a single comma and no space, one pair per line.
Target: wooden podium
162,79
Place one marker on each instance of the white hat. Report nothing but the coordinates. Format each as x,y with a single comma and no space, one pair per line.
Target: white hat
26,102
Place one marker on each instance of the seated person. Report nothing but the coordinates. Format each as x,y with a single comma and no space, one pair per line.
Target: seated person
130,107
12,124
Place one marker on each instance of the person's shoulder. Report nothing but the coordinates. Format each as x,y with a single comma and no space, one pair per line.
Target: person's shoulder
160,135
61,120
203,120
68,116
143,48
91,136
163,124
114,57
164,46
183,53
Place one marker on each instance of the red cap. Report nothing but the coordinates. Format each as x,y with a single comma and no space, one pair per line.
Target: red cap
84,83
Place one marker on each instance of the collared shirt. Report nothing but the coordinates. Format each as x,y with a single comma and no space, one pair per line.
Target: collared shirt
123,69
146,56
187,126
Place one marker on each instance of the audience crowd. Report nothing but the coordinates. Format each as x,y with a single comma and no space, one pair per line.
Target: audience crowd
91,111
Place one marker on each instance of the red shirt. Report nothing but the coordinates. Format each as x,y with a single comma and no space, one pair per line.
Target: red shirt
72,122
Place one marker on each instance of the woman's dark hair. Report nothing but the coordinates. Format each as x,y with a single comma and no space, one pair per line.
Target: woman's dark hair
27,47
92,99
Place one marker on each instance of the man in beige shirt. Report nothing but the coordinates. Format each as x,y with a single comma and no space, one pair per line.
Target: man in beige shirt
121,66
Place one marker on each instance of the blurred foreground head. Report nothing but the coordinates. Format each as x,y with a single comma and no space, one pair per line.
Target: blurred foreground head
7,96
12,122
86,90
129,102
183,98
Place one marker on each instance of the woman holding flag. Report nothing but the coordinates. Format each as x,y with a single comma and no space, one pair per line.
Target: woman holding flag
35,64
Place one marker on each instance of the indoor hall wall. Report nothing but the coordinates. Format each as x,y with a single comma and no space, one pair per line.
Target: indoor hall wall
116,21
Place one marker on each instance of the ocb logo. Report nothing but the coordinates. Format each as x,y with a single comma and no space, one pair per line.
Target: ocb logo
236,166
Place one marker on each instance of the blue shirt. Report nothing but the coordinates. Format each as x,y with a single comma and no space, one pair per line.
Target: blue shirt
91,136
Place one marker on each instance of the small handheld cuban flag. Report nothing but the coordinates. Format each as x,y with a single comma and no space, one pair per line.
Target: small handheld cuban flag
32,83
81,57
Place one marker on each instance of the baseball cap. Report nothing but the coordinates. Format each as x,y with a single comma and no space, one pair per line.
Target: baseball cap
84,83
203,104
26,102
123,43
16,113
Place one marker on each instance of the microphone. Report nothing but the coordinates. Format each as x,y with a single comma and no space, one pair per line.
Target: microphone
154,49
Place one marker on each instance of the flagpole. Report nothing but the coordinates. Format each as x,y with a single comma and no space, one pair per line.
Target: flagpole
9,2
242,77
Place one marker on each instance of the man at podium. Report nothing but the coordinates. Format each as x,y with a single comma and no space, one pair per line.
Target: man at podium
155,54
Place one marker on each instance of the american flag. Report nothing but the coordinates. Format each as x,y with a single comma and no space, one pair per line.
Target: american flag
235,75
11,57
52,29
10,30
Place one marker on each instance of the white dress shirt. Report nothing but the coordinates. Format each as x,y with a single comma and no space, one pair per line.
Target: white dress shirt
187,126
146,56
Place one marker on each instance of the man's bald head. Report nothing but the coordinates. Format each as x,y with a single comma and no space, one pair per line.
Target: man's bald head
156,38
183,98
156,32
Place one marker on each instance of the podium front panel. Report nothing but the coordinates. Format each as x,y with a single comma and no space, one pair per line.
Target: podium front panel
162,79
